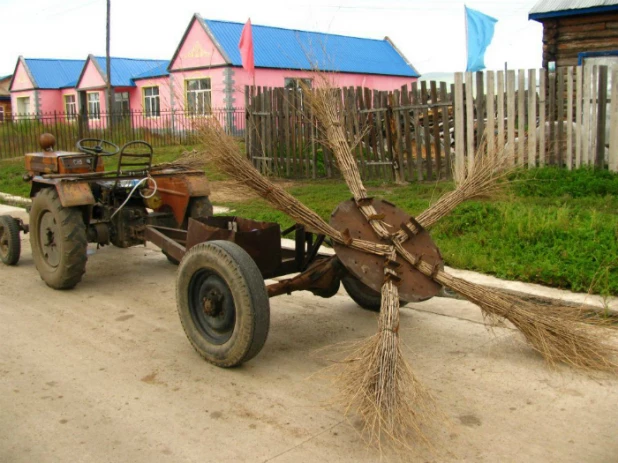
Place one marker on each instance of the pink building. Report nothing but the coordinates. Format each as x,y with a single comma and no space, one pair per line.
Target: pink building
204,75
207,65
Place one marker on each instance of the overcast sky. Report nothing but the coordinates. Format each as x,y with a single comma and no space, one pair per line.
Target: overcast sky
431,33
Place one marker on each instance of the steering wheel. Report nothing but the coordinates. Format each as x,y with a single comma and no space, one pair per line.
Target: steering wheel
97,146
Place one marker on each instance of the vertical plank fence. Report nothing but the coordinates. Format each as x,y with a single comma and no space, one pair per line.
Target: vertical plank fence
429,131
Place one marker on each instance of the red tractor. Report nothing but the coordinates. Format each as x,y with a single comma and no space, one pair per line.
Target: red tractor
76,200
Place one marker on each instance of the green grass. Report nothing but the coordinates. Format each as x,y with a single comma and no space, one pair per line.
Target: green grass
552,226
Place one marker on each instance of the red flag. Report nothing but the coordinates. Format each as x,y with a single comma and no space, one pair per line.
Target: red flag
246,48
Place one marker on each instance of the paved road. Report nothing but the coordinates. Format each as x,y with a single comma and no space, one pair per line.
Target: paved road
104,373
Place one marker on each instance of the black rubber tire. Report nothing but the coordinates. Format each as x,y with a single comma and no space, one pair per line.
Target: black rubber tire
69,238
223,262
10,243
362,294
200,207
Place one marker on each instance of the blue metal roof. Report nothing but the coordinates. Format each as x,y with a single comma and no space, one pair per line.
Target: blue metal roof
55,73
124,70
293,49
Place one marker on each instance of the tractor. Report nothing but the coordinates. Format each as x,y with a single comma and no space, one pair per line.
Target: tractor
221,293
77,199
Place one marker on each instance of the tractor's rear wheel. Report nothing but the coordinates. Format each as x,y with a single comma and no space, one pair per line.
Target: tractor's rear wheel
58,239
362,294
222,303
200,207
10,244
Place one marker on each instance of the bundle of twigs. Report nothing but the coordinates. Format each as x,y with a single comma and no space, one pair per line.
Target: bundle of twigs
558,336
391,402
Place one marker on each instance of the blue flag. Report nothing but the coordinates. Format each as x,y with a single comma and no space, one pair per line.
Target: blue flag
480,31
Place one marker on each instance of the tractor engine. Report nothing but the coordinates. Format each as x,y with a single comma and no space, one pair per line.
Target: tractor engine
116,218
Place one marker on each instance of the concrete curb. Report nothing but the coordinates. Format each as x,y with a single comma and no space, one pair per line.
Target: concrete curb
532,291
25,202
15,200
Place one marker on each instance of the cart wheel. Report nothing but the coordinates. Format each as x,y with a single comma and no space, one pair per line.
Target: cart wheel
222,303
10,244
362,294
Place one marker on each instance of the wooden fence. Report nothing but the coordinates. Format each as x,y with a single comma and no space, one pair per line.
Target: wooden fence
397,136
538,117
429,130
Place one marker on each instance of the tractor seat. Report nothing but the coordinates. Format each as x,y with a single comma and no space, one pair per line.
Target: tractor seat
135,158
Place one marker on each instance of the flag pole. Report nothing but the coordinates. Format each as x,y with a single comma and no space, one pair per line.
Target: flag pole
466,24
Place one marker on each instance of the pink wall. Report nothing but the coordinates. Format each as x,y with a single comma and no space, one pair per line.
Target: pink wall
50,101
21,80
216,83
91,77
197,50
276,78
136,94
136,100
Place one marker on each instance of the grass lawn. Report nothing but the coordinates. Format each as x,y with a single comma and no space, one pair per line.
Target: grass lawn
551,226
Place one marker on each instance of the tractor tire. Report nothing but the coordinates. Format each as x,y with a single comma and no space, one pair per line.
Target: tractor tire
363,295
58,239
222,303
200,207
10,243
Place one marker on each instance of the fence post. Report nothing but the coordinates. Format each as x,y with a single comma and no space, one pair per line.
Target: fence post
613,132
470,145
569,128
459,173
578,116
521,117
601,119
532,118
510,118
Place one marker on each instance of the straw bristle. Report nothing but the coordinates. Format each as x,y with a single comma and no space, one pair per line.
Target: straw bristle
560,335
377,384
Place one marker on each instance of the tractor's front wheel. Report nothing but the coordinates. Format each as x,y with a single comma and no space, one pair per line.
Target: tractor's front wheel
10,245
58,239
222,303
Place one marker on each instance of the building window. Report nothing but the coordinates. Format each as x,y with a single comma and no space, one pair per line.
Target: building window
94,106
198,96
70,107
121,103
295,83
1,113
151,102
23,105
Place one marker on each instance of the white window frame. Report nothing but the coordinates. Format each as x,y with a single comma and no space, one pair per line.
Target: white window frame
70,107
94,111
149,102
203,97
23,114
